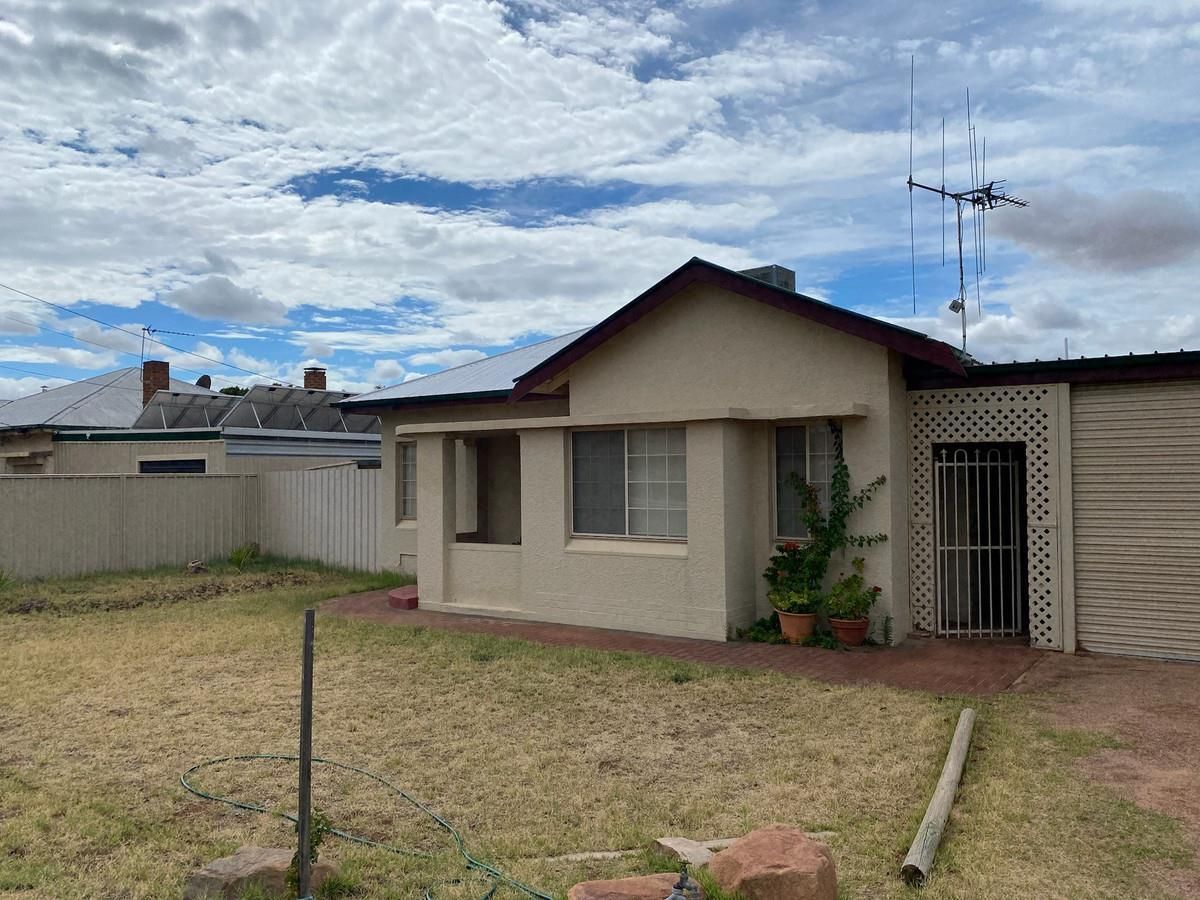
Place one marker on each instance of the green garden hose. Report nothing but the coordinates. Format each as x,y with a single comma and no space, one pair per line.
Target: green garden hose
497,877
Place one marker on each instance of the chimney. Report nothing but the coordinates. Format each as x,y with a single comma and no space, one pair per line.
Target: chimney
314,378
776,275
156,376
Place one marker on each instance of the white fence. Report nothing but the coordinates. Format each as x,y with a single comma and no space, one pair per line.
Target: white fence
58,525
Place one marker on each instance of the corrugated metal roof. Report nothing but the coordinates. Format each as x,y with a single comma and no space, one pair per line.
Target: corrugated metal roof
111,400
494,375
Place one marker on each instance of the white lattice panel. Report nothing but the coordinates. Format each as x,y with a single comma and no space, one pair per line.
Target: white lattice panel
1028,414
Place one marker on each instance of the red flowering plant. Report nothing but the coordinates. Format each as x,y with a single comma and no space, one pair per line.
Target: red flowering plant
850,598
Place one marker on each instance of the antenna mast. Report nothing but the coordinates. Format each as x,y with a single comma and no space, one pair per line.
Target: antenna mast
982,197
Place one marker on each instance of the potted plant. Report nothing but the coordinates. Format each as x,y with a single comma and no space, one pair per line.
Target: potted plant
791,592
796,573
849,602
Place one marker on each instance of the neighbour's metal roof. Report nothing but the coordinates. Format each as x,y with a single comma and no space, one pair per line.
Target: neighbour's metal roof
489,377
111,400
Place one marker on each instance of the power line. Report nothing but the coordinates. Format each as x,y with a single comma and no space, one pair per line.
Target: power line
111,349
135,334
92,380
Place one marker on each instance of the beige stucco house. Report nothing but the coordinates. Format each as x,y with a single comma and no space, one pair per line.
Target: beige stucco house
633,475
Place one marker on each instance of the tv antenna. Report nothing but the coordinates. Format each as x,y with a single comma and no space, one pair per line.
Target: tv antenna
982,197
149,331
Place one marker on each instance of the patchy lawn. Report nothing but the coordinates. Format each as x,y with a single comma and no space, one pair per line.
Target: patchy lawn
111,688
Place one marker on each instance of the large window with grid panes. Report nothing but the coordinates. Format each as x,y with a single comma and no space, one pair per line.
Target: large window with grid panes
629,482
807,452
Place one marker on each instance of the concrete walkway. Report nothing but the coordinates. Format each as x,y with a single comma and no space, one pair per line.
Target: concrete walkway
939,666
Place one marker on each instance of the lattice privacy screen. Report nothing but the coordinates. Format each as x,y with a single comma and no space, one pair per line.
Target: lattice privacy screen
1028,414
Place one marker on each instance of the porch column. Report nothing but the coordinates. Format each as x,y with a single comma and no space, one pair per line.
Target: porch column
436,506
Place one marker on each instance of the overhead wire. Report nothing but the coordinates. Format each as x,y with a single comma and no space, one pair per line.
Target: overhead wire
74,337
139,336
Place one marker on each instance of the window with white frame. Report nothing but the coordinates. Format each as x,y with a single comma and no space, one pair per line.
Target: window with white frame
807,451
406,480
629,482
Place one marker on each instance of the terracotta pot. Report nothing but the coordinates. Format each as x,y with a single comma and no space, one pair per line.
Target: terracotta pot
797,627
851,632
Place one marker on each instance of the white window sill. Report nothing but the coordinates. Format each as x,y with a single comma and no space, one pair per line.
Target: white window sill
622,546
406,525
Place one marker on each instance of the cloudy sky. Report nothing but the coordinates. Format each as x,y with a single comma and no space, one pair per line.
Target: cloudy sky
389,188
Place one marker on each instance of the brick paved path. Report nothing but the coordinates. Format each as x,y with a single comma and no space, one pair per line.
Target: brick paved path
940,666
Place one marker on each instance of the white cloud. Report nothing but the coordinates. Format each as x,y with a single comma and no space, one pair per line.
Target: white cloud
216,297
777,139
220,264
386,371
446,359
15,388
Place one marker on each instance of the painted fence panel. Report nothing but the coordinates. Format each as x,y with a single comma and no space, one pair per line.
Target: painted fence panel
330,515
58,525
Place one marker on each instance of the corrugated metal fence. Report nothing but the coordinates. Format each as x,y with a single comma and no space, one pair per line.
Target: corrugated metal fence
56,525
326,514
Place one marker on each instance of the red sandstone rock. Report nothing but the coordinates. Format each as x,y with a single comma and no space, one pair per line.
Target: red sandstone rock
643,887
776,863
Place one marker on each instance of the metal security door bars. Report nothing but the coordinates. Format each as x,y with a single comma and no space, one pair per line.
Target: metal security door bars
978,499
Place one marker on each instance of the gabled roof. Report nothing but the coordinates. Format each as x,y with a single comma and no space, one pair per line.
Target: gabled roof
111,400
912,344
483,379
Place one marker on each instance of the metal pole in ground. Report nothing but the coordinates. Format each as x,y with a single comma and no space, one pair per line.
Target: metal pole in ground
305,802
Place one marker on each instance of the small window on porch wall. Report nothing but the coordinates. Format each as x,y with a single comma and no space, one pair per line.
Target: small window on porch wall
807,451
629,483
406,481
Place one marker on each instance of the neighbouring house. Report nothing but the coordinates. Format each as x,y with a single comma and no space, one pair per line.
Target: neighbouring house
272,428
109,401
189,429
634,475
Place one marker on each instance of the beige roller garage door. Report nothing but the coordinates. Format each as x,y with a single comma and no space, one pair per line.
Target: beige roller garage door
1136,469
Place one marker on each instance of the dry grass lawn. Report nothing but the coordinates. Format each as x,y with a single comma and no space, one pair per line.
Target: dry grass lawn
532,751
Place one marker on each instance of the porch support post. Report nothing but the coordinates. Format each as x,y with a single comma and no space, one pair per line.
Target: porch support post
436,505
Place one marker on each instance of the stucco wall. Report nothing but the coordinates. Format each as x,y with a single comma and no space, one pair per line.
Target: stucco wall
121,457
708,348
665,587
703,350
15,445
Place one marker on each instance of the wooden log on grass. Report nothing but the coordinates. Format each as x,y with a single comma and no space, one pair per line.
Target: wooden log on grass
924,846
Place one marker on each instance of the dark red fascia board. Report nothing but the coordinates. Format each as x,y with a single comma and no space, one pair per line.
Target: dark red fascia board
1097,370
698,271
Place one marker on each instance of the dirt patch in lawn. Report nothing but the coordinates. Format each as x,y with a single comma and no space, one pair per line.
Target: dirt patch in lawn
1152,708
80,596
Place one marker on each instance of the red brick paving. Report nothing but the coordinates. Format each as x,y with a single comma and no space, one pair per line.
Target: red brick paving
940,666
